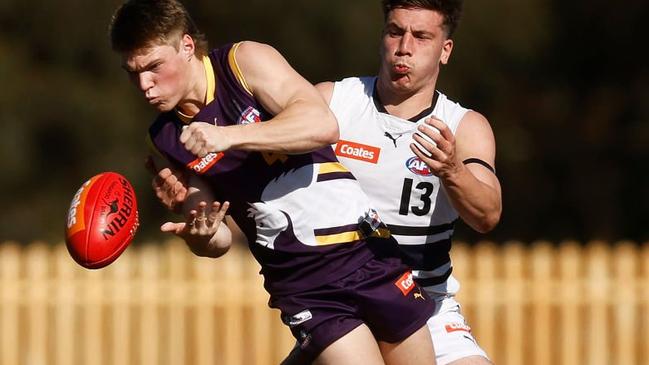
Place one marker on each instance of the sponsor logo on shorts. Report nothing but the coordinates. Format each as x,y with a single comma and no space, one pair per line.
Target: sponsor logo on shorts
358,151
405,283
250,115
202,164
454,327
418,167
299,318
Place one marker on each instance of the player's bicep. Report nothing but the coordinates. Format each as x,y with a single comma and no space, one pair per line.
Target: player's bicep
273,82
476,146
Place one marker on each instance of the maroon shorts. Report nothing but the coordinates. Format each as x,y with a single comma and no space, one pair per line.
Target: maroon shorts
381,294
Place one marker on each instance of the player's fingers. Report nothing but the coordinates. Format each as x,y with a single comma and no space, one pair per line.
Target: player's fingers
201,218
171,227
432,164
429,149
218,213
185,134
180,196
191,218
441,143
443,129
196,149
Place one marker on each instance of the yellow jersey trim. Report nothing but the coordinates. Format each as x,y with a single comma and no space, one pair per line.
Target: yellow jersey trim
234,66
347,237
209,93
329,167
211,80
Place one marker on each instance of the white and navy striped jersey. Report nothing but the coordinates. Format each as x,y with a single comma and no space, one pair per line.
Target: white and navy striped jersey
374,145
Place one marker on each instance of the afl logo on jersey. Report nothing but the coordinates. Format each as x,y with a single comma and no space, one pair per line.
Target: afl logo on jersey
418,167
250,115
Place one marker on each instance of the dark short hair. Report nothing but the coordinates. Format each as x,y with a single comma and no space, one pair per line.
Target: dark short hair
137,24
450,9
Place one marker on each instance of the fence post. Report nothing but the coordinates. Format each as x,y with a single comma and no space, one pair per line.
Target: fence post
120,275
65,309
177,258
597,286
233,294
514,294
643,287
485,291
10,265
541,302
571,298
92,295
624,308
37,303
148,295
206,295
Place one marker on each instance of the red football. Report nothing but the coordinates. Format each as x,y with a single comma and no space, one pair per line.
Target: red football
102,220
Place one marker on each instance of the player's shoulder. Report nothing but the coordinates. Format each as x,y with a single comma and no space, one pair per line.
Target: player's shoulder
251,50
354,86
475,119
475,127
357,82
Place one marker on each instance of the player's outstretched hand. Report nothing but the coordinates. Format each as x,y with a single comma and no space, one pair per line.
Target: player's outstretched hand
440,155
169,185
199,227
201,138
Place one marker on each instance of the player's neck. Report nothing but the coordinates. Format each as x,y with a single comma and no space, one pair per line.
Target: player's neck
405,104
197,89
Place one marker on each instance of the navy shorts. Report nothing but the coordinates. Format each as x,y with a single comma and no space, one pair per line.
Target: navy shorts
380,294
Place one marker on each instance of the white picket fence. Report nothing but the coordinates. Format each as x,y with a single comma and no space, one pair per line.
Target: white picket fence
159,304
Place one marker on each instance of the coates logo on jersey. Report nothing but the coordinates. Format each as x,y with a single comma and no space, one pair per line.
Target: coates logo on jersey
201,165
358,151
418,167
250,115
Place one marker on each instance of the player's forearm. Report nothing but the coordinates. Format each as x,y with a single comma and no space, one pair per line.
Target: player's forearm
302,127
478,203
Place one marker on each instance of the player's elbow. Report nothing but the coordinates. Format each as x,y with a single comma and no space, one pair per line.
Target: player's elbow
487,222
329,133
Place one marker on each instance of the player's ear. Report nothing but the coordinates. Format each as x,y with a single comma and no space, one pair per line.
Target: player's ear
187,46
447,48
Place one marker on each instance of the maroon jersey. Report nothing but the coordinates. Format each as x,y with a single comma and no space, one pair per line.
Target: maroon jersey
300,213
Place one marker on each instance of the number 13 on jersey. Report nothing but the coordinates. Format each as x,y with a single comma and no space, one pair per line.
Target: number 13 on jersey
427,190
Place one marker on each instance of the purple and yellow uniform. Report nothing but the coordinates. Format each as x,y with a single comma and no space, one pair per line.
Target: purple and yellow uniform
300,213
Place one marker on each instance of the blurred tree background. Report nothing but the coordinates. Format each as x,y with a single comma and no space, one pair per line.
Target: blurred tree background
565,85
